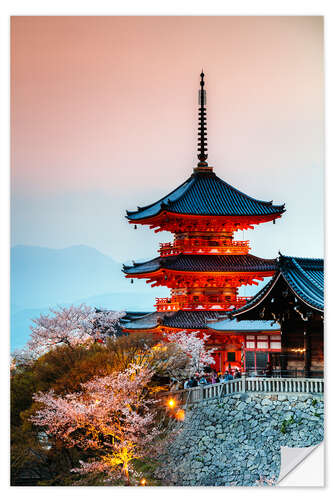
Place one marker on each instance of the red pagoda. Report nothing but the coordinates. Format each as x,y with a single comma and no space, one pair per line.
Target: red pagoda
204,266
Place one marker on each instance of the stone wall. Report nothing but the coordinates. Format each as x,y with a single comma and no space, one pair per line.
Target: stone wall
237,439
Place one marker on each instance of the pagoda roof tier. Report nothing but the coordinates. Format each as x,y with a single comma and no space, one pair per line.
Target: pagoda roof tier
190,319
179,319
197,320
203,263
205,194
304,278
145,322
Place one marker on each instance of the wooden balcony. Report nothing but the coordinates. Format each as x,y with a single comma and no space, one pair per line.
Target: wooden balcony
204,247
203,304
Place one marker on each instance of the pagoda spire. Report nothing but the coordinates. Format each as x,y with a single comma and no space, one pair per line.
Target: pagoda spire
202,130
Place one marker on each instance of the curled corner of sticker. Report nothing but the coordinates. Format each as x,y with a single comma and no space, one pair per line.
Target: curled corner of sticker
291,458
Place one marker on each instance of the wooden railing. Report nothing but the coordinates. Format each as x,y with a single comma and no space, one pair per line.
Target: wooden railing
286,385
198,247
262,385
186,304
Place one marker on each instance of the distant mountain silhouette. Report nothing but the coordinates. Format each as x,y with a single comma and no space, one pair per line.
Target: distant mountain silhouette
45,277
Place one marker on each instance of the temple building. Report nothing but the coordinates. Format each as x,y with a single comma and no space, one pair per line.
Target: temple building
294,298
204,266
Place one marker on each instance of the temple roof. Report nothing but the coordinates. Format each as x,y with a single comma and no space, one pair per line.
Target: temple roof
190,319
133,315
134,322
204,263
206,194
196,320
305,278
233,325
178,319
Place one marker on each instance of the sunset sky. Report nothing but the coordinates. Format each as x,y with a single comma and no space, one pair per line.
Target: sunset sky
104,118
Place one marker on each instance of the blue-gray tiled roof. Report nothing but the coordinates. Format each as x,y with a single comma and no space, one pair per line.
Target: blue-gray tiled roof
233,325
204,263
197,319
190,319
145,322
207,194
178,319
305,278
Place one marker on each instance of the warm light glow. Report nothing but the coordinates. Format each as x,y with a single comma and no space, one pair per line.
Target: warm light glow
143,482
300,350
180,415
171,403
159,347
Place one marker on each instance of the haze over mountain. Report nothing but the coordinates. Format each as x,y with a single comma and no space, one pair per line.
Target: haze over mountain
44,277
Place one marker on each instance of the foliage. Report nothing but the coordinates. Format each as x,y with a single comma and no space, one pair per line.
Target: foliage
26,452
76,347
113,416
286,423
63,369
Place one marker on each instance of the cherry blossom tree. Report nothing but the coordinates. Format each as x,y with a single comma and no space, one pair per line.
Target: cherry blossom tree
21,358
191,355
112,416
72,326
13,364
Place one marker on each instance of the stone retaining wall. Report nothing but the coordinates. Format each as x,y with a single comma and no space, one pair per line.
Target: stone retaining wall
237,439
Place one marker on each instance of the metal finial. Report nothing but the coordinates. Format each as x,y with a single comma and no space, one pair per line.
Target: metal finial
202,140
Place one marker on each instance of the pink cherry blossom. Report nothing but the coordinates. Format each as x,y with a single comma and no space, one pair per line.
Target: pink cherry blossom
74,325
112,415
190,345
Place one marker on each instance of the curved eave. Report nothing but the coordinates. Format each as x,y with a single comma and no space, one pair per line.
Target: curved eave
302,297
216,264
258,298
148,322
234,218
205,194
305,277
165,271
173,195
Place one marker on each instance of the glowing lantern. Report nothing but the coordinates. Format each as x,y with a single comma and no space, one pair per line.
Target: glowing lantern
171,403
143,482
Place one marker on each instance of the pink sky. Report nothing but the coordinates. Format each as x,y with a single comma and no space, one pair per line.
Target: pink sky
104,118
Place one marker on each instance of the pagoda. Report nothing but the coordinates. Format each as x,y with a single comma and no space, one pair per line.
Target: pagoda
204,266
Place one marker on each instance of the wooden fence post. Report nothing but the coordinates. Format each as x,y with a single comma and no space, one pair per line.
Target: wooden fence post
243,384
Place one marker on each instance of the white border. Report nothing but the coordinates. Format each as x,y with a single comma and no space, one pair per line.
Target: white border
138,7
